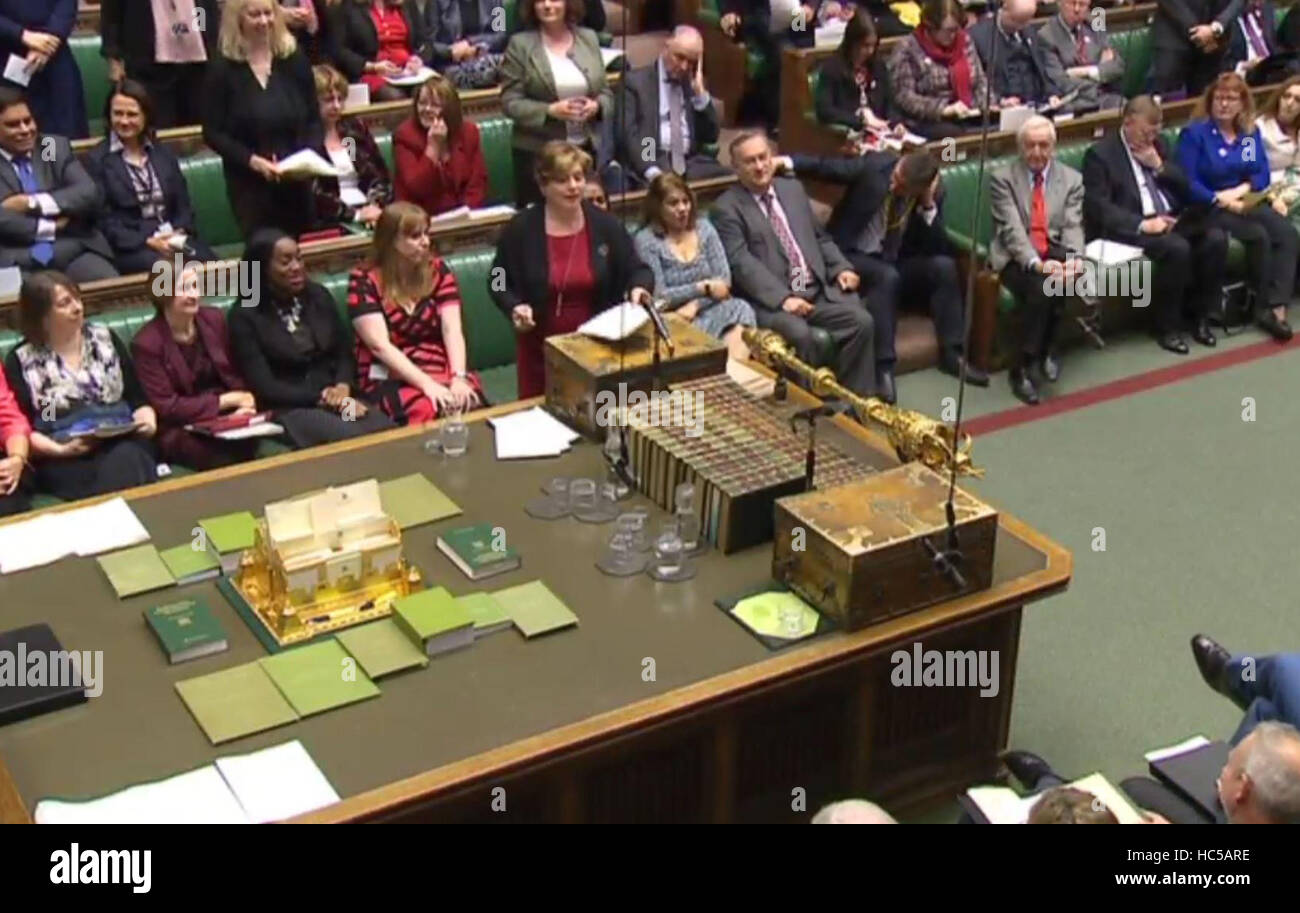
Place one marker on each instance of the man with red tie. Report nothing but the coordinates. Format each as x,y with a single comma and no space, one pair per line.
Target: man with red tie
1037,247
1074,50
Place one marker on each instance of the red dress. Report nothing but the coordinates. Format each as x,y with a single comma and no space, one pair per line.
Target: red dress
418,335
394,40
570,302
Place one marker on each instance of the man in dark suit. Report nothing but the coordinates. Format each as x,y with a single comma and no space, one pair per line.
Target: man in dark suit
1073,49
889,224
665,114
1137,194
1252,40
767,26
786,265
1020,76
47,215
1188,43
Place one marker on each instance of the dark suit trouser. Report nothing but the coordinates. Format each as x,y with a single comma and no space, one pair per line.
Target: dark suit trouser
1040,313
20,499
765,90
1272,246
1187,273
70,257
1183,67
929,277
1158,798
1272,690
257,203
143,259
112,465
850,326
699,167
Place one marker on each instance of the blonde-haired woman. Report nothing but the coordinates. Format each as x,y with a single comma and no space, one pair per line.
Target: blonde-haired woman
405,309
260,106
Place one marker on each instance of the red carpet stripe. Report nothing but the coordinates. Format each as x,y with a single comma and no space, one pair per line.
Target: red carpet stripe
1081,399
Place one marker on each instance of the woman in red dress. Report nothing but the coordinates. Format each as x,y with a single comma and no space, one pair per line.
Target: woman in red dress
562,263
374,40
405,308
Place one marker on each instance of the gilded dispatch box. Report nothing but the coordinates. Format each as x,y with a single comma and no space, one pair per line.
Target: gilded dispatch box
865,555
580,368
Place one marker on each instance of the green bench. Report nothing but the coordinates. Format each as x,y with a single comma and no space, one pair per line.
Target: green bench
489,338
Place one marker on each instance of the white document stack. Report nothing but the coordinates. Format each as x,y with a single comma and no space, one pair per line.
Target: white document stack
530,434
85,531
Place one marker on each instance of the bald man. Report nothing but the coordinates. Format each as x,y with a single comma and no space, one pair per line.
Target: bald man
1021,74
666,117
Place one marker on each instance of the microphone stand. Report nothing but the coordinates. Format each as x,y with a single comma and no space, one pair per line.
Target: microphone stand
660,333
810,460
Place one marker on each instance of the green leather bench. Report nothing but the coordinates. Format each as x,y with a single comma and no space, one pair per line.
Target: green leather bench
94,78
488,335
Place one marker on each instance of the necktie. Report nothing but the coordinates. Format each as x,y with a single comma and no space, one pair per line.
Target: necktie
42,251
676,141
1038,217
1081,46
1157,198
1254,35
788,246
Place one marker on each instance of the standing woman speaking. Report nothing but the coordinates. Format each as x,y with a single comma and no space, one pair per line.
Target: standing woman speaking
552,86
260,106
562,262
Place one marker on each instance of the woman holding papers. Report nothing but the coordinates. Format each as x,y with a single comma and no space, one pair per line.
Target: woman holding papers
147,213
293,348
375,40
562,263
854,89
439,155
363,187
405,309
552,85
182,358
936,73
15,446
1222,152
69,375
690,265
260,106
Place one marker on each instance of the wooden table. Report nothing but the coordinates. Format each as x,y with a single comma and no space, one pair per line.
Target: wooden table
566,725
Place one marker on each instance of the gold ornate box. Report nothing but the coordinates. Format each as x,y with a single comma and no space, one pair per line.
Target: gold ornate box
858,552
580,368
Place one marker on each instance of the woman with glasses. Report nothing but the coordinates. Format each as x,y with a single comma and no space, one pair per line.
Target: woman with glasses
438,153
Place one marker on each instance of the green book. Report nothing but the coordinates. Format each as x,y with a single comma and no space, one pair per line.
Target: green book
488,614
413,500
228,535
235,702
190,565
435,620
186,629
136,570
535,609
382,648
474,549
319,677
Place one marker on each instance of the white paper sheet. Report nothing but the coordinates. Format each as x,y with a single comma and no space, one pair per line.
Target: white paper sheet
1159,754
16,70
105,527
1111,253
196,797
84,531
1002,806
415,80
306,163
358,96
277,783
530,434
616,323
609,55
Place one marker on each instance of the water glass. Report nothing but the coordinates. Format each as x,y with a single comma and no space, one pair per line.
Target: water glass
554,502
669,562
454,433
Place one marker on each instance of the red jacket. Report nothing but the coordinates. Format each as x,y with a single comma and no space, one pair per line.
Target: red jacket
459,181
166,377
12,421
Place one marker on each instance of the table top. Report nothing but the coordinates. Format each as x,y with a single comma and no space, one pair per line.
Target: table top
495,703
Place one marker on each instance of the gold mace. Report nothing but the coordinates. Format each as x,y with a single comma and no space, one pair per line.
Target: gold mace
915,436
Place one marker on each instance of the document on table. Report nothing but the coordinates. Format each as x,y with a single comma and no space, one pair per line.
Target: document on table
269,785
1003,806
616,323
531,433
84,531
1111,253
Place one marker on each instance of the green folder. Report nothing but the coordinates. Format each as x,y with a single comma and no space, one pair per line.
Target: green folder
319,677
488,613
230,532
136,570
185,562
430,613
235,702
535,609
382,648
413,500
766,614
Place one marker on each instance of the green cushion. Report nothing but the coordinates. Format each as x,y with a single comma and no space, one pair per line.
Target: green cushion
95,84
207,185
384,140
1134,46
488,334
496,134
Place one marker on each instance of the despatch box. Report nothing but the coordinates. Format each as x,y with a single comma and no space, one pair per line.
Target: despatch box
583,374
858,552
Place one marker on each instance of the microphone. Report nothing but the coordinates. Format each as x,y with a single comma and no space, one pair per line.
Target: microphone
661,326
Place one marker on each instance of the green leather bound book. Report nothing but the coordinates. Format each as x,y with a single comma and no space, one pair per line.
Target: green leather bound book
479,551
435,620
136,570
382,648
488,614
535,609
186,629
318,677
235,702
190,565
413,500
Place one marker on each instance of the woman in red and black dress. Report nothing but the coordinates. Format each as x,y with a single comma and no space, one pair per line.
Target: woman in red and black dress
562,263
405,308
